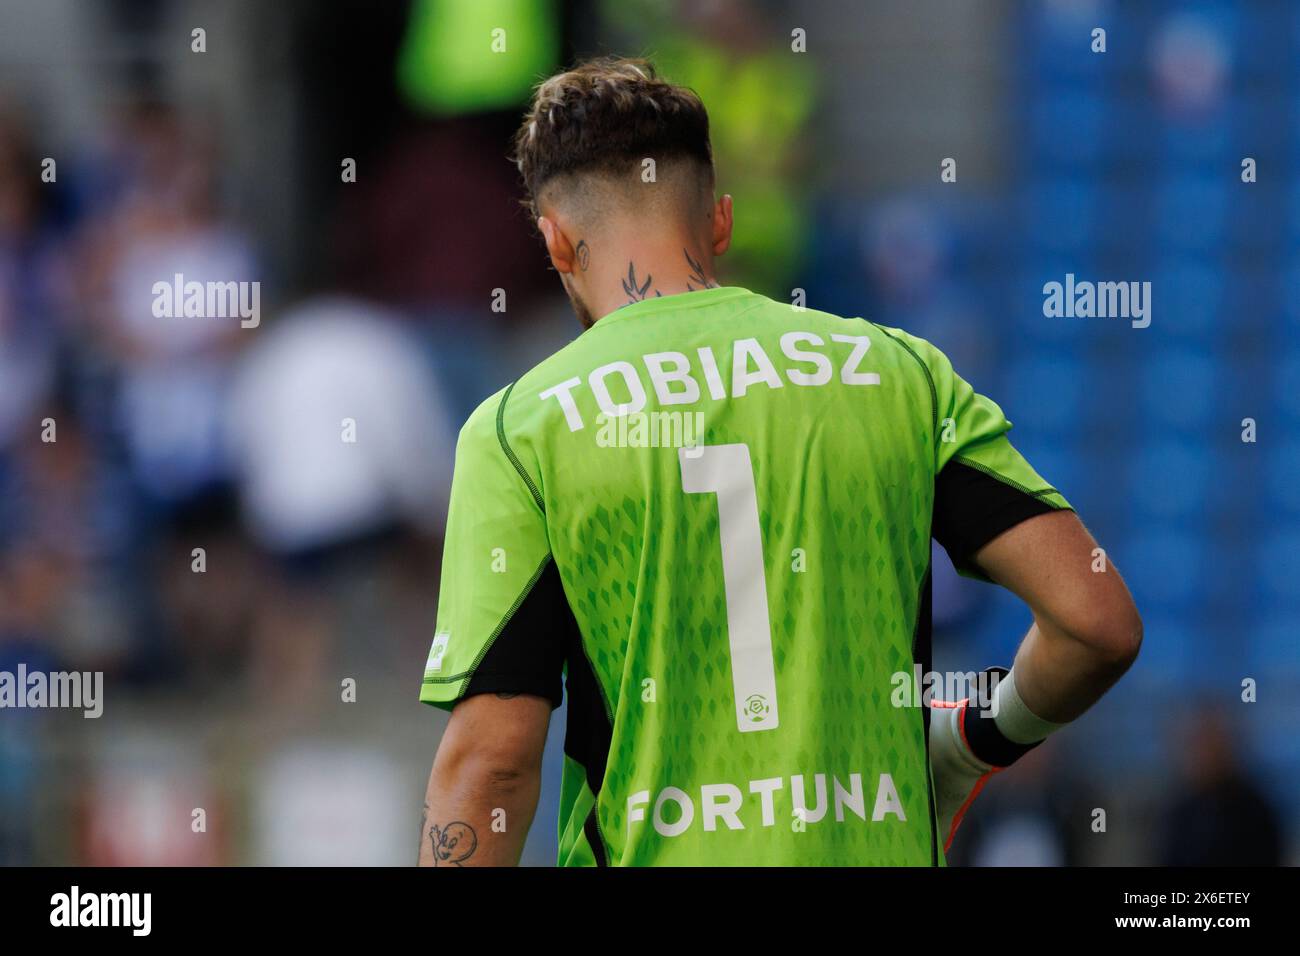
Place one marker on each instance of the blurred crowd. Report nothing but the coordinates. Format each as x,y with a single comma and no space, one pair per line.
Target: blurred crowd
179,507
233,519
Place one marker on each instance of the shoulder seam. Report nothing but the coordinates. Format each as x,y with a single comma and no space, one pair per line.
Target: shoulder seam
510,453
929,378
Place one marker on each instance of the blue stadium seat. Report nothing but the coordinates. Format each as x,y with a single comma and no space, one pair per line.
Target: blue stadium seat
1181,388
1058,42
1277,566
1062,214
1255,230
1263,51
1045,392
1191,211
1252,304
1290,202
1289,306
1165,568
1273,648
1286,385
1068,130
1188,294
1170,649
1206,146
1168,479
1282,473
1027,298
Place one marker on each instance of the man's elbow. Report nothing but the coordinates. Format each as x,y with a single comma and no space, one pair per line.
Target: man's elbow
506,778
490,769
1121,650
1113,636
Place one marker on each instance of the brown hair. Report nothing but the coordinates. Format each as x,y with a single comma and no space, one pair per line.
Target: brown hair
607,115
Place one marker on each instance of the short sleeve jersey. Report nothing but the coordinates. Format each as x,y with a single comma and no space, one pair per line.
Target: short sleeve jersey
708,519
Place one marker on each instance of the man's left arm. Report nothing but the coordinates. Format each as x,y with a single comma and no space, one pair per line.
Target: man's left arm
486,778
497,657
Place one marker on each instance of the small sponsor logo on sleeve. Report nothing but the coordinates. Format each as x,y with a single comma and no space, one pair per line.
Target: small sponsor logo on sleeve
436,652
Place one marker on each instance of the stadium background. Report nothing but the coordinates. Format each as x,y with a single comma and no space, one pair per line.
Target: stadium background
223,688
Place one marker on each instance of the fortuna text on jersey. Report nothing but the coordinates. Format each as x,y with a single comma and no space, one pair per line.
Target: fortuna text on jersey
724,801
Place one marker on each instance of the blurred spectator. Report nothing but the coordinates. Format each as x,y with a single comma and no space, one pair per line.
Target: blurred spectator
1035,814
1217,815
445,68
1190,62
30,269
306,482
340,439
171,371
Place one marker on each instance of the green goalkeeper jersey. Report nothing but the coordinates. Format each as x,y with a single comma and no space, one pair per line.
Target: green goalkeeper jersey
711,515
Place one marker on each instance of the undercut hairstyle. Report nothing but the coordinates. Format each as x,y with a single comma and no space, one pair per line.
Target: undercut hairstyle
605,117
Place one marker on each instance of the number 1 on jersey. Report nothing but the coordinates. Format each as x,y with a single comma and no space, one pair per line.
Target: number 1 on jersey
726,470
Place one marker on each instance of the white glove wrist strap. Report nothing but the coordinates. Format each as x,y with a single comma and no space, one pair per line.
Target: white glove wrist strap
1017,722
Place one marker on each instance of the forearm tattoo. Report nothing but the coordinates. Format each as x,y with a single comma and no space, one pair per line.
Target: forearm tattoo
452,844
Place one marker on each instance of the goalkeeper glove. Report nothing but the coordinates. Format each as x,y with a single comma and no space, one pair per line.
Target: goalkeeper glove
969,743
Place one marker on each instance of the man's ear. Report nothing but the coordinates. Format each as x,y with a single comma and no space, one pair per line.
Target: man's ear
722,223
557,245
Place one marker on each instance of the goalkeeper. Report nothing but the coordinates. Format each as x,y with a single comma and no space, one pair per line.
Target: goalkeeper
724,614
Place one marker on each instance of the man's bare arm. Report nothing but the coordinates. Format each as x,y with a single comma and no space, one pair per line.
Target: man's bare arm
486,777
1086,630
